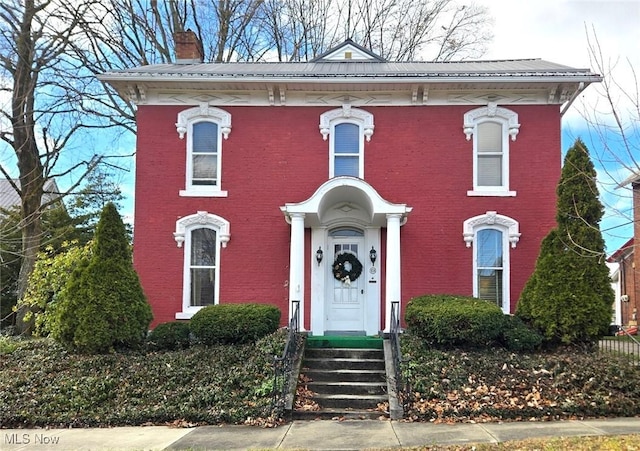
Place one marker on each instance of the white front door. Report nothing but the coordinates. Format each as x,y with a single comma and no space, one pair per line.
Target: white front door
345,298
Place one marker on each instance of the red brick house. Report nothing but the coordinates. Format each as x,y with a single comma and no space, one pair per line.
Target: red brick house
345,183
625,265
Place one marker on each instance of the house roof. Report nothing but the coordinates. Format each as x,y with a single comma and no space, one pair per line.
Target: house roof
10,198
527,69
349,68
632,179
625,250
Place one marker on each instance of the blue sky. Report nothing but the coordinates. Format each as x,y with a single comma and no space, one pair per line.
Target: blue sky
553,30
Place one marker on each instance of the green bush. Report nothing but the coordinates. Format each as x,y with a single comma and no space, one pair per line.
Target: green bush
170,336
234,323
517,336
568,297
102,305
461,321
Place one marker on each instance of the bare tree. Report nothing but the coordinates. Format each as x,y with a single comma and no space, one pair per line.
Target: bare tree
398,30
41,120
613,127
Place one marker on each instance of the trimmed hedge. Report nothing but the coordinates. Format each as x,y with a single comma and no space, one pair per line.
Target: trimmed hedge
170,336
446,321
517,336
234,323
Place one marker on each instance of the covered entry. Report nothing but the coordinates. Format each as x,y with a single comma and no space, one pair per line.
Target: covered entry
345,216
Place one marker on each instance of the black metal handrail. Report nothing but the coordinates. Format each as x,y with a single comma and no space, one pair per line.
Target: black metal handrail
283,365
628,348
402,386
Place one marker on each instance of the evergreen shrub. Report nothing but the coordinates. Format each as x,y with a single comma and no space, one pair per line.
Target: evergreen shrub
102,305
517,336
569,298
455,321
234,323
171,336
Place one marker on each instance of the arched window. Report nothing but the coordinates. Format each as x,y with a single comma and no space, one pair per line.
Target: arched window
491,236
201,235
205,128
491,127
346,128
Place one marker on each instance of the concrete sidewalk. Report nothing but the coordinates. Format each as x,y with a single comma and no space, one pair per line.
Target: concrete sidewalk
307,435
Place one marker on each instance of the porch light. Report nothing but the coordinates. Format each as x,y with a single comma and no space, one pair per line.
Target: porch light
373,255
319,255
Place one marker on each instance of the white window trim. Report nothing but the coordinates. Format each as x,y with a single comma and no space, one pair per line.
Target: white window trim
510,128
510,229
184,125
346,115
182,235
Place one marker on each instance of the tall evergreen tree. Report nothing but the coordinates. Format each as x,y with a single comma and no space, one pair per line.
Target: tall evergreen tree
569,296
103,305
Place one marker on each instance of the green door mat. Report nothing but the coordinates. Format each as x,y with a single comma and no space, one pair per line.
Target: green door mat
329,341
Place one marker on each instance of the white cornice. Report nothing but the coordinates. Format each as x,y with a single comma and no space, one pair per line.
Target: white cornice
425,95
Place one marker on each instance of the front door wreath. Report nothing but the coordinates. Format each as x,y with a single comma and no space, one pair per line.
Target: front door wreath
346,267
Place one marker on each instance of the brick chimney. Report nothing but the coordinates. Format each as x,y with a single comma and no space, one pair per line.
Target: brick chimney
188,48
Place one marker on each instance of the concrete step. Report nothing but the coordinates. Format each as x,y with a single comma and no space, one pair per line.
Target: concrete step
335,414
343,363
327,375
341,353
356,402
347,388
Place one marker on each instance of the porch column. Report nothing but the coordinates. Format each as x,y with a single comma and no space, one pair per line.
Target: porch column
392,291
296,265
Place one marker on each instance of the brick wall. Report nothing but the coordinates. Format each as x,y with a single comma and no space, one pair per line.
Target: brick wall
274,155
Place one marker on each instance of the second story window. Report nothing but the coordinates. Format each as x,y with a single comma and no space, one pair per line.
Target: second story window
346,143
205,127
346,129
490,169
490,129
204,161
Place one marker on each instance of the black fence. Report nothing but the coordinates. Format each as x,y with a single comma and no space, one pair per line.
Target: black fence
623,344
283,365
402,387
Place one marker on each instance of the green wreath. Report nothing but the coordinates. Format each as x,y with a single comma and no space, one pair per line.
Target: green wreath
341,273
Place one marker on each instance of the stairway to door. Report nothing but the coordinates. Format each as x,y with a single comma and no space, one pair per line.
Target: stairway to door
342,377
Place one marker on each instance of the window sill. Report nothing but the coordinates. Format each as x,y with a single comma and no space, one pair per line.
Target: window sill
201,193
490,193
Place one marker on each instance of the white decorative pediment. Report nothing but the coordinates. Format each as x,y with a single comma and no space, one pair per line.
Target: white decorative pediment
491,218
207,112
491,110
346,113
202,218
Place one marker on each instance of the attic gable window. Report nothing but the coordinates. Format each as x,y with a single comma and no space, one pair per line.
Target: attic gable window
491,128
346,129
205,127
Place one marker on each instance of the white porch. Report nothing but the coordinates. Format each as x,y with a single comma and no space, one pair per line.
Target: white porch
352,205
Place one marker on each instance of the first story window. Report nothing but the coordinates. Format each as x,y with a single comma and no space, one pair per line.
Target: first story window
202,267
492,236
489,269
201,235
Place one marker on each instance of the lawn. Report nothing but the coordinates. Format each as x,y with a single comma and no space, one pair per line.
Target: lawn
499,385
41,384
